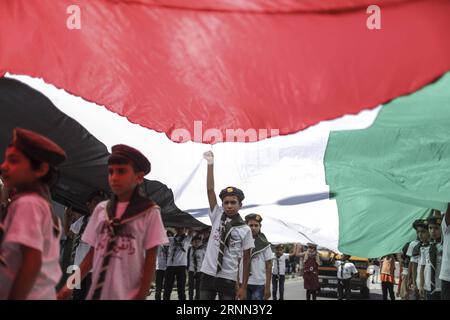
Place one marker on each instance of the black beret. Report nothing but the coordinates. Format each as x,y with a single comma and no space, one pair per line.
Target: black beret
434,220
420,223
134,155
253,216
310,244
232,191
197,237
38,147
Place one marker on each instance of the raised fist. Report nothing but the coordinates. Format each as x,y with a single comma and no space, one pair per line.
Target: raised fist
209,157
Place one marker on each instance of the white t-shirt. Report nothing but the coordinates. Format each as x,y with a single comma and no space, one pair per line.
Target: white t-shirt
423,253
178,255
198,256
348,270
445,268
409,252
83,247
281,262
123,277
240,239
373,270
425,261
121,207
405,271
161,259
257,267
29,223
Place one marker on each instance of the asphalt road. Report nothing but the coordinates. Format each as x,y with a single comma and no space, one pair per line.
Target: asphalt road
294,291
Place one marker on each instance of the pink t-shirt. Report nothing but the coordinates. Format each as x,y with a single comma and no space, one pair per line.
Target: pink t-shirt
29,223
123,277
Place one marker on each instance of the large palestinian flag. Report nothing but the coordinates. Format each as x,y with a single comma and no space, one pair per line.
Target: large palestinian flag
304,68
387,175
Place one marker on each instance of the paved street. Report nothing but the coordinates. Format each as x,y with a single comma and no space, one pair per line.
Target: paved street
294,291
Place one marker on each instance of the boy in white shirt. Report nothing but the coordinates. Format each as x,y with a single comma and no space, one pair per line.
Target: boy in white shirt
260,262
196,255
346,270
430,262
177,263
230,242
124,233
161,266
414,251
279,271
445,267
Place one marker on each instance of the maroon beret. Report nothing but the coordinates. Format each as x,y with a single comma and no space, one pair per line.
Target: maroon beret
38,147
134,155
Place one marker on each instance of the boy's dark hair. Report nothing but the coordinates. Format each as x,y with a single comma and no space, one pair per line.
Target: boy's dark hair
420,223
52,175
118,159
405,249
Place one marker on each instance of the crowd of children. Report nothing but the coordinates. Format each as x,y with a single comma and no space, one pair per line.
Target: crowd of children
121,245
422,265
425,265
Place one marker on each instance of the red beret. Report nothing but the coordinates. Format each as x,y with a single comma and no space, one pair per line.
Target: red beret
38,147
134,155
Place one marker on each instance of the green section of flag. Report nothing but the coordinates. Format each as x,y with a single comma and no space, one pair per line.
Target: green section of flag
392,173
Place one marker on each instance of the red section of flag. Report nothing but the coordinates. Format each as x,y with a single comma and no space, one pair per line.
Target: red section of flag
166,64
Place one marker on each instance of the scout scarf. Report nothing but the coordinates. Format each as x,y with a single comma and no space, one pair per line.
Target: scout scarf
261,244
77,238
138,206
195,257
178,241
416,250
236,222
434,252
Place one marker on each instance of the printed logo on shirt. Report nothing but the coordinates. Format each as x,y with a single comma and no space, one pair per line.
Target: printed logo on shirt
125,242
217,233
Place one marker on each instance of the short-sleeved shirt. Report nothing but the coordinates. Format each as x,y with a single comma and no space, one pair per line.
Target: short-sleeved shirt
257,267
409,252
445,267
345,270
123,277
83,247
178,253
279,262
161,259
29,223
240,239
423,253
425,261
196,256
